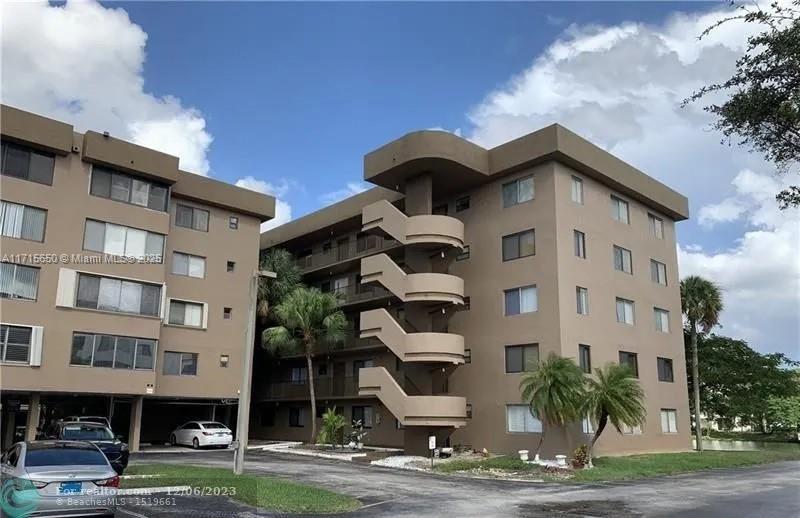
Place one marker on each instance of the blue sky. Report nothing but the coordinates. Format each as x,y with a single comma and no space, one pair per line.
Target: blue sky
286,98
309,88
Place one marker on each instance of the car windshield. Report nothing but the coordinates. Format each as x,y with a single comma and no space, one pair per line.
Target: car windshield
214,426
78,432
64,456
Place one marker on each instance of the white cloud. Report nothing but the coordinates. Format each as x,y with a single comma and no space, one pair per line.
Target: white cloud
83,63
760,274
283,211
622,87
351,189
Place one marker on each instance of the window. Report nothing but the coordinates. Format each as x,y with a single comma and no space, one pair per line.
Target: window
665,372
465,306
180,364
118,352
580,244
669,420
625,311
224,360
22,221
191,217
185,313
189,265
623,260
662,320
631,360
124,241
462,203
522,358
233,222
582,300
117,186
521,300
631,430
520,420
585,358
440,210
577,190
15,344
230,266
656,226
521,244
469,410
227,313
464,254
298,375
365,242
27,164
518,191
296,417
363,414
658,272
467,356
18,281
619,210
587,425
110,294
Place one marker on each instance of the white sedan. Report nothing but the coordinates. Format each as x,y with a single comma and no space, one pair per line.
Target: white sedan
202,433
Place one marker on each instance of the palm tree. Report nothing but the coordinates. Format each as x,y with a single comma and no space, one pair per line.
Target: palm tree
554,392
701,303
613,395
306,318
287,279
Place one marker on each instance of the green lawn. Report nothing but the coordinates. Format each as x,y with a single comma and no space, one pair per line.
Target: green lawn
266,492
633,466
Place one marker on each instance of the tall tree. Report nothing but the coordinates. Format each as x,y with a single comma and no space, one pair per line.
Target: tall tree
306,317
613,395
736,382
701,303
763,106
287,278
554,392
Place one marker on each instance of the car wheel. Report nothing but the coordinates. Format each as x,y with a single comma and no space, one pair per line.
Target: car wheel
195,443
173,440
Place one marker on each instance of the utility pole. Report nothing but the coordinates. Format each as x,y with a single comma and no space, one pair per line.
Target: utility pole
243,417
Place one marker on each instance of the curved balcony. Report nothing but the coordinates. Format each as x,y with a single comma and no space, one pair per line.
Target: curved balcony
412,287
450,411
412,230
412,347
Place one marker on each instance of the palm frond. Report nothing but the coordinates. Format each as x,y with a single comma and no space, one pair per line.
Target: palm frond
701,302
279,338
616,393
554,391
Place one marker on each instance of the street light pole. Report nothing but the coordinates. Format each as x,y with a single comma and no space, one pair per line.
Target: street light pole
243,416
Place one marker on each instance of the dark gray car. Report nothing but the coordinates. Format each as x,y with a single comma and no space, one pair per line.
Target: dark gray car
57,478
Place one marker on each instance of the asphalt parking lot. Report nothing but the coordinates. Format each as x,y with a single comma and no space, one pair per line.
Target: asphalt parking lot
764,491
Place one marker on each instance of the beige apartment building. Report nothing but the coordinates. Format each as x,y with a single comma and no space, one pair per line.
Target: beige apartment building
462,268
125,283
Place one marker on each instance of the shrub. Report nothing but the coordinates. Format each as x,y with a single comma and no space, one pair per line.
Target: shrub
580,457
332,424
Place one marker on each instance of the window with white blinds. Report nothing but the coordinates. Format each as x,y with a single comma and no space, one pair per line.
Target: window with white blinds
124,241
18,281
519,419
185,313
15,344
189,265
22,221
669,420
110,294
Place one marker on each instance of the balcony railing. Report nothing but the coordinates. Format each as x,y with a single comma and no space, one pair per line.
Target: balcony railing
352,293
324,387
352,250
351,342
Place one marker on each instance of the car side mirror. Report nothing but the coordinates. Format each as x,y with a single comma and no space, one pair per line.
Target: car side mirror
119,437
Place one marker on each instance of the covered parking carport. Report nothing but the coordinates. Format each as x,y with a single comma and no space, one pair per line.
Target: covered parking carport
160,416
